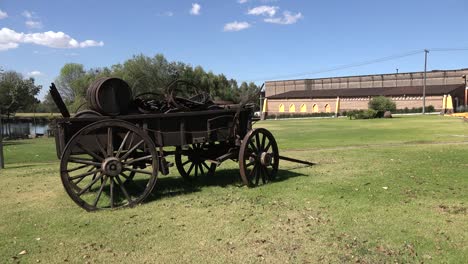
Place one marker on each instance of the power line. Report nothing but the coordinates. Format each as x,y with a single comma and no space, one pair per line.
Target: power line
387,58
363,63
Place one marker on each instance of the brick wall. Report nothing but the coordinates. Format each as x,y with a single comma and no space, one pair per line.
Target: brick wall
346,104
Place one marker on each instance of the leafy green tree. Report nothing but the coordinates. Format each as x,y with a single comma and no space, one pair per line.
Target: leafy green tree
68,82
150,74
17,93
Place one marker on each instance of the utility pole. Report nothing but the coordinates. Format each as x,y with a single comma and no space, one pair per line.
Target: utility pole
2,161
466,93
424,84
396,78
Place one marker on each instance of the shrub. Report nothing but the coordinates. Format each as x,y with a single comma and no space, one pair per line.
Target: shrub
362,114
382,104
429,109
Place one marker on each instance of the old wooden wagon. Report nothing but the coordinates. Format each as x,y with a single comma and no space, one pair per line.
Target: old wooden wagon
113,161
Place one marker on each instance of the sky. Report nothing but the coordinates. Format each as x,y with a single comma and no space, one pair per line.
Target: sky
248,40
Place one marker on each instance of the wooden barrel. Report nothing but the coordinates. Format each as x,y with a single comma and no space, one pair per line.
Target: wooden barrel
109,96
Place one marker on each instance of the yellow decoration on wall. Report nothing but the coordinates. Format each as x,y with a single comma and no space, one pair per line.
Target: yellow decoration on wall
264,105
303,108
327,108
292,108
449,102
281,108
315,108
444,103
337,108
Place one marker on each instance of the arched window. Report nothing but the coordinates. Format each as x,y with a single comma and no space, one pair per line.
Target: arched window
292,108
281,108
303,108
315,108
327,108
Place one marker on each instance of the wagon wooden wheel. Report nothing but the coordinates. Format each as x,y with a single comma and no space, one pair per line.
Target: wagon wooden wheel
258,157
109,164
190,161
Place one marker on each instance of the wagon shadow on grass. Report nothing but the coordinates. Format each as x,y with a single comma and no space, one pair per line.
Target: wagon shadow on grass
175,186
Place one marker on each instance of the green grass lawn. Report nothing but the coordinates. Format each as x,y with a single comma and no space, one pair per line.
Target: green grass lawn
384,191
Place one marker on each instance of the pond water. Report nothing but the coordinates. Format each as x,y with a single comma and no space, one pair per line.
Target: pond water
14,129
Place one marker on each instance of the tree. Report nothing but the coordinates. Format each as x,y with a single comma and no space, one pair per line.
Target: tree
150,74
68,82
17,93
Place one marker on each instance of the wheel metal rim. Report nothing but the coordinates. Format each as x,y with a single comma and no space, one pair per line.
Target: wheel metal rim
103,178
190,162
258,157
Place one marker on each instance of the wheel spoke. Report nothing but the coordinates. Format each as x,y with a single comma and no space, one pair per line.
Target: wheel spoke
84,161
252,146
111,186
122,144
84,174
92,154
267,146
138,159
125,176
262,146
257,176
101,148
257,141
132,149
139,171
85,189
185,163
252,171
201,170
250,164
190,169
80,179
100,190
262,173
206,166
110,143
78,168
124,191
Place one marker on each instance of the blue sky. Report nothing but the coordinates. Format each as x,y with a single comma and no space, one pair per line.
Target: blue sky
256,40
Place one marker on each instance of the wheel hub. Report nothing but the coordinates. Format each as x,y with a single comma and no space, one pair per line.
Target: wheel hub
112,166
266,158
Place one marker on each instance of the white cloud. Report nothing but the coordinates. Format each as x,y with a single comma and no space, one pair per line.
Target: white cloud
263,10
195,9
34,73
287,19
10,39
236,26
242,1
33,24
27,14
168,13
3,14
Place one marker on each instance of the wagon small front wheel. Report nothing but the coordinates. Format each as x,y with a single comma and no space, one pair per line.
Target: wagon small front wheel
190,162
258,157
109,164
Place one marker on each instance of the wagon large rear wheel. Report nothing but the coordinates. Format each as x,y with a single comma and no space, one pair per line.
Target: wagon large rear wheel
258,157
99,161
190,162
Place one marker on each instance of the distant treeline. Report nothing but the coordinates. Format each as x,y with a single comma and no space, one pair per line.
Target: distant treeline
145,74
